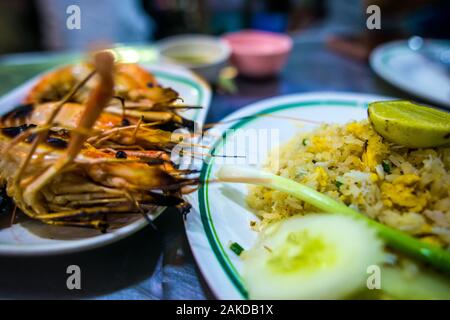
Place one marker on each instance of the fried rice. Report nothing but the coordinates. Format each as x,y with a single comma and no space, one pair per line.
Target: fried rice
407,189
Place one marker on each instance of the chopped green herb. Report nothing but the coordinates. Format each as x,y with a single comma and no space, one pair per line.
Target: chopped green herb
236,248
304,141
386,166
338,184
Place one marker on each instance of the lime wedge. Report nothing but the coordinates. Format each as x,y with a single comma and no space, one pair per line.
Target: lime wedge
409,124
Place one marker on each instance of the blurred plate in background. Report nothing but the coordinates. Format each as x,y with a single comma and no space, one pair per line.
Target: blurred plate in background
415,71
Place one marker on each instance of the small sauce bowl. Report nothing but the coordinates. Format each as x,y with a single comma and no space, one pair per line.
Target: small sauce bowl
258,54
204,55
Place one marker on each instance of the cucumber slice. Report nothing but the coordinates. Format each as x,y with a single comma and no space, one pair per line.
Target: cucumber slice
311,257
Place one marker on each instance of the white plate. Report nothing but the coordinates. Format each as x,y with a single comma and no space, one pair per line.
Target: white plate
408,70
31,237
220,215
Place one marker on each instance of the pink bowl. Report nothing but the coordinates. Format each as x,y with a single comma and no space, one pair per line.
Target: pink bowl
258,53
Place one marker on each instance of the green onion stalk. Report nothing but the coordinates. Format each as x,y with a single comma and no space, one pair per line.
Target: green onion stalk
426,252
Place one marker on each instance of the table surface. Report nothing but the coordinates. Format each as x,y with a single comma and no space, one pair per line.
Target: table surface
158,263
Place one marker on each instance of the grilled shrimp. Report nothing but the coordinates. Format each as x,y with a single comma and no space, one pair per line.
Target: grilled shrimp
135,89
141,114
129,80
57,169
109,127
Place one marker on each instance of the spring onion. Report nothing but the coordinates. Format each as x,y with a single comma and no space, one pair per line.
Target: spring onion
396,239
386,166
236,248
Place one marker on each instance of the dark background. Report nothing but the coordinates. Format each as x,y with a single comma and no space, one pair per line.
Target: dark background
34,25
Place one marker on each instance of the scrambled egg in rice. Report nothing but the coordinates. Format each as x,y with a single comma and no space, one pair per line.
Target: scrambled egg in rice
408,189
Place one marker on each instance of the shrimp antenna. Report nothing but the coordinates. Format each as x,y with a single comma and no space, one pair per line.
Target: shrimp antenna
122,104
182,153
212,124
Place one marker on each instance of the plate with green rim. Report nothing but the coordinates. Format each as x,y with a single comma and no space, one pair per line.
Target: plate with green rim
221,216
29,237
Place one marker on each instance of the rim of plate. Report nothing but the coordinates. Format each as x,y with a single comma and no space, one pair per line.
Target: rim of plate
267,106
162,71
378,61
